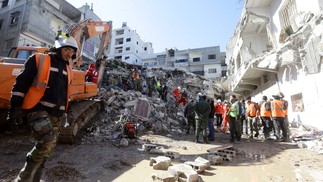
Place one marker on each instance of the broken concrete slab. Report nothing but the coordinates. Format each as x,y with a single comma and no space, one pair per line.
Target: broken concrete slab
184,172
160,162
197,166
203,161
165,176
215,159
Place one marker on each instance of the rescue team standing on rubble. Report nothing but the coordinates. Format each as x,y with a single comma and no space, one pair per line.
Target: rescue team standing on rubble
42,92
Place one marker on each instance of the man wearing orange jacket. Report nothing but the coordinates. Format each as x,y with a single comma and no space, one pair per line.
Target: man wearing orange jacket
251,113
278,115
265,114
42,91
218,107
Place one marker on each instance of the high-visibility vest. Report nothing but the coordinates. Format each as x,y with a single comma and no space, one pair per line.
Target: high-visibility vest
251,109
233,110
263,111
286,110
277,108
37,89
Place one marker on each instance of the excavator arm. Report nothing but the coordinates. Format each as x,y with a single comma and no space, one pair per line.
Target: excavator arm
87,29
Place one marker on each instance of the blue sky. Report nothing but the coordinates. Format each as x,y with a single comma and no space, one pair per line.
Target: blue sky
181,24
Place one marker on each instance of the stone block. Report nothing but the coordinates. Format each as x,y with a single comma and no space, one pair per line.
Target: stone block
184,172
160,162
172,155
197,166
165,176
215,159
203,161
148,147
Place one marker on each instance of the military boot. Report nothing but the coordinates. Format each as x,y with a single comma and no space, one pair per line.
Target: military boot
27,173
205,140
197,139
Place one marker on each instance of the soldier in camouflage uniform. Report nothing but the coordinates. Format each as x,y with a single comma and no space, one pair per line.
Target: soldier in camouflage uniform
41,91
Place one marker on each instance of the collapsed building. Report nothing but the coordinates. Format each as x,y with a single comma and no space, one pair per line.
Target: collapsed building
277,47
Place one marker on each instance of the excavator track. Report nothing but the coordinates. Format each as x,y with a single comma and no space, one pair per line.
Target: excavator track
80,114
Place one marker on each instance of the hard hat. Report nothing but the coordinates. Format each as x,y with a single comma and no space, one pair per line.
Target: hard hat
199,94
280,94
179,88
219,100
65,41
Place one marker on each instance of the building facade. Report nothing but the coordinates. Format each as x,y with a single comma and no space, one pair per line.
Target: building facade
33,22
208,61
277,47
126,45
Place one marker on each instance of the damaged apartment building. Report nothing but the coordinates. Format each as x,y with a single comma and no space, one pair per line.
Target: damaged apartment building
35,23
277,46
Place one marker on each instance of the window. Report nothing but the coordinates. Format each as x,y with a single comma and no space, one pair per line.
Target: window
127,48
145,48
196,59
9,44
4,3
223,73
212,70
1,22
297,102
120,32
14,18
137,42
128,40
212,56
126,58
287,17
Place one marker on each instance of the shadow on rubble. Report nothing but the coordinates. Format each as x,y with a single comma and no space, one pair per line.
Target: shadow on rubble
254,151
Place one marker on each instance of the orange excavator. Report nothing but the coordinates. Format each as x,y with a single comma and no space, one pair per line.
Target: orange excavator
83,105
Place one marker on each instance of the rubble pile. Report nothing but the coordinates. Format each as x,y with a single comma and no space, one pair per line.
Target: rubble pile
121,104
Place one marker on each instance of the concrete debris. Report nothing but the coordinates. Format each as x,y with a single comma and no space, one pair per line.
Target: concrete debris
146,114
184,172
160,162
197,166
172,155
215,159
124,142
165,176
203,161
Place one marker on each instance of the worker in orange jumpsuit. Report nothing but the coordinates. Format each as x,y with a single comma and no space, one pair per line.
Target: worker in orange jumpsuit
218,107
176,92
91,74
225,116
183,98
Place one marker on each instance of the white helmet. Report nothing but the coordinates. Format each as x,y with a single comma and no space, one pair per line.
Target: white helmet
65,41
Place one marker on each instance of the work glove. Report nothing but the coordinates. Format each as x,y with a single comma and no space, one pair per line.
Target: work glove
14,118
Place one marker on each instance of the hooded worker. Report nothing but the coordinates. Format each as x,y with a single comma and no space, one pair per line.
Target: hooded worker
41,91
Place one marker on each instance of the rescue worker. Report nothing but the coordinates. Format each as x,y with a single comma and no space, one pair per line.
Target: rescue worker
286,112
176,93
135,75
42,91
235,119
190,116
278,116
92,74
211,120
202,110
218,107
164,92
159,88
251,113
150,83
244,123
265,114
225,116
182,98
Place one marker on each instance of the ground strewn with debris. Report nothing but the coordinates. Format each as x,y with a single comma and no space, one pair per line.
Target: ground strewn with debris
104,161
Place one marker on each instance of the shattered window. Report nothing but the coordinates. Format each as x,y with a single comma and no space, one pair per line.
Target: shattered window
128,39
14,18
297,103
287,17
